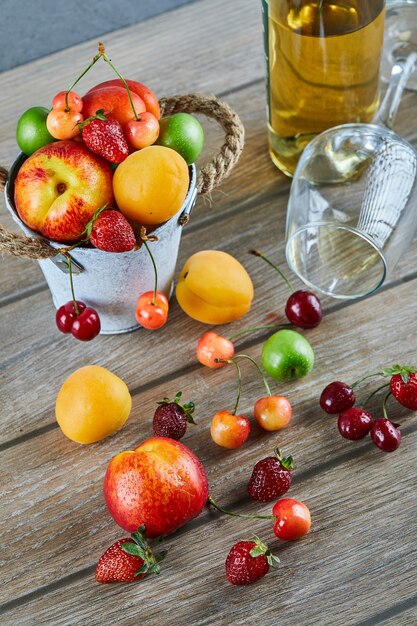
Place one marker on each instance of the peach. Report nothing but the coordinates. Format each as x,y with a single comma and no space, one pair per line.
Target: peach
114,101
59,188
214,288
141,90
150,185
92,404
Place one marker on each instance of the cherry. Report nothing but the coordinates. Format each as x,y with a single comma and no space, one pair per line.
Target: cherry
385,435
143,132
63,124
293,519
152,310
67,100
272,412
354,423
83,325
213,350
303,308
337,397
229,430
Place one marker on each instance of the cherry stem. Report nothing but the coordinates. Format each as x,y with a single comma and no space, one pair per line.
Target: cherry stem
246,356
357,382
255,328
93,62
107,60
384,405
211,501
371,395
276,268
69,261
155,272
239,385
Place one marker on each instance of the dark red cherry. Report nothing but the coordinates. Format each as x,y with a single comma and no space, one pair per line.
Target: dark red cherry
385,435
304,309
87,325
354,423
66,315
337,397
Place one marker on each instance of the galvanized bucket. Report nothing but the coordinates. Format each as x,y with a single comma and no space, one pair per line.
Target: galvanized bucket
112,282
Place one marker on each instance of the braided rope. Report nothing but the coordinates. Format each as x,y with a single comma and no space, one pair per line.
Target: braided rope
209,177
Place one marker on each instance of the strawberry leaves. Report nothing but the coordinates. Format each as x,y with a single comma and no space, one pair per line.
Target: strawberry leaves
403,370
286,461
187,407
141,547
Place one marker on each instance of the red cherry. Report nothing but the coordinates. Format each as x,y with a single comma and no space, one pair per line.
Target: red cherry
304,309
272,412
142,133
75,102
385,435
84,326
354,423
337,397
211,347
66,315
293,519
229,430
152,315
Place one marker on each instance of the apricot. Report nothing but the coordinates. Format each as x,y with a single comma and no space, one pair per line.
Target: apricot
114,101
92,404
214,288
150,185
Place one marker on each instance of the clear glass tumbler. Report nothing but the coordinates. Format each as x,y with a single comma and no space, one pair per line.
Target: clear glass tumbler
323,61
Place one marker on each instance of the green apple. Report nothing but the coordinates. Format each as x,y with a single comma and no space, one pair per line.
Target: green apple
183,133
287,355
31,131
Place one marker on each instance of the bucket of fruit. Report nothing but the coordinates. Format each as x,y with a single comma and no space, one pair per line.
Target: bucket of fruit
102,189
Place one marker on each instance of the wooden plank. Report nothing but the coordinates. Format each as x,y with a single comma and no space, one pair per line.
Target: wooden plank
357,537
56,484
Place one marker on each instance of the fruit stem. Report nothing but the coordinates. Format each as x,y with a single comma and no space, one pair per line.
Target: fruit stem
211,501
239,385
357,382
384,405
93,62
255,328
107,60
265,382
371,395
276,268
69,261
155,272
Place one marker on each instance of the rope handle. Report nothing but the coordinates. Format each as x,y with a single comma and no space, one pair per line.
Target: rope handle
209,177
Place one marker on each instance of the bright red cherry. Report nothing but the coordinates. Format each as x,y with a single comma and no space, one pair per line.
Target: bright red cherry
212,347
83,326
303,309
75,102
229,430
354,423
142,133
293,519
337,397
150,314
385,435
272,412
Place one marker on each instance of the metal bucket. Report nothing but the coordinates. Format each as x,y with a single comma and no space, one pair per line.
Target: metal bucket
111,282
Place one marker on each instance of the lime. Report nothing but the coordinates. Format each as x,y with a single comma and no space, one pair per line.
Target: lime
183,133
31,131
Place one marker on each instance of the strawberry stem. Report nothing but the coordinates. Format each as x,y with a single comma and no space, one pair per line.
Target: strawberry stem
155,272
255,328
246,356
222,510
276,268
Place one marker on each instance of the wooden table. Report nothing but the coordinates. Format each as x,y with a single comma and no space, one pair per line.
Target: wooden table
357,565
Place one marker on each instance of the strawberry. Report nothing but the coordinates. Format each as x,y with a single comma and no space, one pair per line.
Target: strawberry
105,137
404,387
248,561
110,231
128,559
271,477
171,417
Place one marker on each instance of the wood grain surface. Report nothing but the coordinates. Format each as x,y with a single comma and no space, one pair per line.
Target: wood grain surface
357,565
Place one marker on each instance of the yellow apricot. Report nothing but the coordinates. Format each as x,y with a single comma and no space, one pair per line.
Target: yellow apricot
92,404
150,185
214,288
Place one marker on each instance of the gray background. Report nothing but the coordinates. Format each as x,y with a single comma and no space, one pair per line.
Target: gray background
30,29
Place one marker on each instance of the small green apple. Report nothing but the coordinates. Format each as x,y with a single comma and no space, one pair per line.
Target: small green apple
287,355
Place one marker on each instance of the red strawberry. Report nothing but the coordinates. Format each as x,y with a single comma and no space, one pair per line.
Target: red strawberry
248,561
171,417
128,560
111,232
404,388
105,137
271,477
